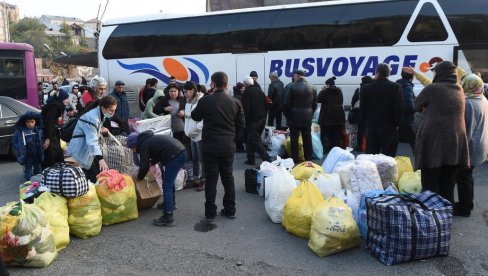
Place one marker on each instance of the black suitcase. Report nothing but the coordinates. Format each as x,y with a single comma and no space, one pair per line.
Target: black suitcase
251,181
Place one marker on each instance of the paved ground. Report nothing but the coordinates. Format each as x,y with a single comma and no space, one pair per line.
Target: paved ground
248,245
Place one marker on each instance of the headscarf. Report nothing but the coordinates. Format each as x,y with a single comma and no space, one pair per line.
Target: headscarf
473,85
445,71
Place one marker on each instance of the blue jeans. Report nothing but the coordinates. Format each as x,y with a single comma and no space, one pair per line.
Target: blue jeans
197,158
171,170
28,166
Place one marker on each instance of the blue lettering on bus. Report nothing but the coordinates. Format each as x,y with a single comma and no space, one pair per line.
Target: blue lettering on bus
322,66
355,65
340,66
308,66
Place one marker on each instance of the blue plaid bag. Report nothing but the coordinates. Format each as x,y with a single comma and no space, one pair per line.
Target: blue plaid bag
403,228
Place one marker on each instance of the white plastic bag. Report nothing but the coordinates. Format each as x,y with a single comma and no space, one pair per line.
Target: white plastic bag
328,184
359,176
157,124
277,141
335,156
288,163
279,187
386,165
180,180
351,201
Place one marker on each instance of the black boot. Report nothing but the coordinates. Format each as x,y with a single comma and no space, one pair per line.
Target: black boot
165,220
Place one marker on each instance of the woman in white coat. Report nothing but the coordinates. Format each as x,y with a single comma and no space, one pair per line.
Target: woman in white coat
193,130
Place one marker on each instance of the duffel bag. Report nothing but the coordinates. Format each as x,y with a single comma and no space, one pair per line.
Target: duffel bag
403,228
65,179
117,156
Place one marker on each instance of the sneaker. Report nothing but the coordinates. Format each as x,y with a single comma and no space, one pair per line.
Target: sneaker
227,214
165,220
251,163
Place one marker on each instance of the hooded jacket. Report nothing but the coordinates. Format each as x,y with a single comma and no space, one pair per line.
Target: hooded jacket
84,149
155,149
20,142
193,129
408,99
332,110
148,111
122,111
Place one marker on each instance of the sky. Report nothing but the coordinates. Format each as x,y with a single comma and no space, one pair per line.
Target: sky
87,9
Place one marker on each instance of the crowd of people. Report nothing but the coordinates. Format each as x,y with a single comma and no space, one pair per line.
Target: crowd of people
208,127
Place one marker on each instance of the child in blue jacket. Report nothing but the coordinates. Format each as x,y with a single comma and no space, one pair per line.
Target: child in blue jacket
28,142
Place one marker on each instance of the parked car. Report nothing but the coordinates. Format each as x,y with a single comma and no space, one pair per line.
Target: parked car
10,111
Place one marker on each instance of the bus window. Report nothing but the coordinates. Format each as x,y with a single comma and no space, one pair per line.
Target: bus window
427,26
468,21
12,68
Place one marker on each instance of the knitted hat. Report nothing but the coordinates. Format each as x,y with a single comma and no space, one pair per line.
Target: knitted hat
63,95
239,85
330,81
132,140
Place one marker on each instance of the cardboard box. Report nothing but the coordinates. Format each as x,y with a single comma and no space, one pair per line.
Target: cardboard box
148,191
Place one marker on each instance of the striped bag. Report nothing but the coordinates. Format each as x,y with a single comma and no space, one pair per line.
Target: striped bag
403,228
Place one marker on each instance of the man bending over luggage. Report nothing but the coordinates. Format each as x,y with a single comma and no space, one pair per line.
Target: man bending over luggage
170,154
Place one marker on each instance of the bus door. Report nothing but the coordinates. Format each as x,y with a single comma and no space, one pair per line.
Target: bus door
245,63
472,58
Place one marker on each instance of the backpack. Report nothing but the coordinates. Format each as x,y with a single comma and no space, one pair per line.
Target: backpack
68,128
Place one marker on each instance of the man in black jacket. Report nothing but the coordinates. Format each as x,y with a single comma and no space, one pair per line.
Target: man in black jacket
275,91
222,121
298,106
170,154
255,115
381,108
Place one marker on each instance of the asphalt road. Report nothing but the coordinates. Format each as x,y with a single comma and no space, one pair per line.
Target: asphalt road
249,245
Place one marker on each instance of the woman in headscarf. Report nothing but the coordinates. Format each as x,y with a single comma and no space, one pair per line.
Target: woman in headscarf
442,146
476,118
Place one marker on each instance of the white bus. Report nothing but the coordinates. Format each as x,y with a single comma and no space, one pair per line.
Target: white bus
346,39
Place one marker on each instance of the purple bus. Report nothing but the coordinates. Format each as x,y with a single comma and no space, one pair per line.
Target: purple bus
18,78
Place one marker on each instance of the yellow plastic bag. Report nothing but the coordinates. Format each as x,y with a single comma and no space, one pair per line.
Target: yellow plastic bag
56,209
25,236
333,228
63,144
301,155
118,206
297,214
403,165
410,183
85,216
302,172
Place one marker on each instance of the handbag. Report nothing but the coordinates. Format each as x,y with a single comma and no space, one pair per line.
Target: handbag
65,179
117,156
251,181
403,228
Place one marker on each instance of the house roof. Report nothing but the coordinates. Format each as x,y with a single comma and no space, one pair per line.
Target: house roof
63,18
